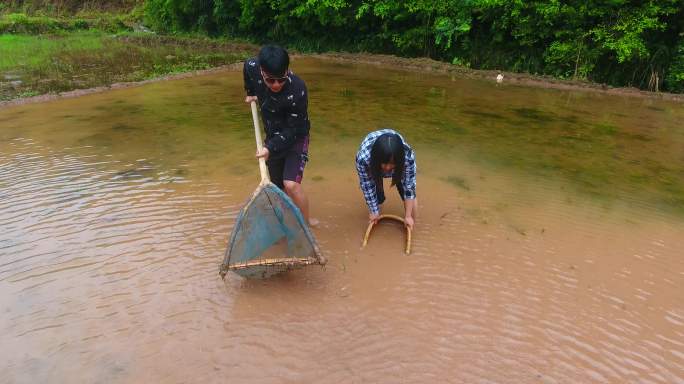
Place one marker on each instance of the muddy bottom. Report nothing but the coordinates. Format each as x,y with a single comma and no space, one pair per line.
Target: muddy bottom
528,264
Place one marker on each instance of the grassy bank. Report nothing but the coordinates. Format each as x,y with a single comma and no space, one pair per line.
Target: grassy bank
33,65
41,54
20,23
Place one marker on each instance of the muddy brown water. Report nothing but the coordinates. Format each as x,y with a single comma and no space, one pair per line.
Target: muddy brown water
548,247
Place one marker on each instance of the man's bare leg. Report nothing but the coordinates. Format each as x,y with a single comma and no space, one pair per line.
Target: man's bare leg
296,193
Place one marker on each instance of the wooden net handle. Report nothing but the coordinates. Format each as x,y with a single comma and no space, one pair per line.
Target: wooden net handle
259,143
392,217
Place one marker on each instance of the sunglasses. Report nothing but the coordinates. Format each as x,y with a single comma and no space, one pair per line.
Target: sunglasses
273,80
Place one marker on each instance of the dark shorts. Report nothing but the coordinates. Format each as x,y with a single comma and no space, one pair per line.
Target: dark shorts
381,193
290,166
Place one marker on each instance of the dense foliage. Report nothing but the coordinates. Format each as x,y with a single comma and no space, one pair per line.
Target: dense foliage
619,42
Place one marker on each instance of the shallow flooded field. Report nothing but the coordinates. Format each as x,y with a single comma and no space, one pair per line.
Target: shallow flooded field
548,247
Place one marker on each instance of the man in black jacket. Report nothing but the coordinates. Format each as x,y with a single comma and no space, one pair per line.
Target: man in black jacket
282,98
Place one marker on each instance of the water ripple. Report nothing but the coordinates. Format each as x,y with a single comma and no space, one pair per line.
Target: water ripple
109,256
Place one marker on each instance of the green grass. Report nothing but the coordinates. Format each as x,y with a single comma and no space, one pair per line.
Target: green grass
65,61
38,24
29,51
42,53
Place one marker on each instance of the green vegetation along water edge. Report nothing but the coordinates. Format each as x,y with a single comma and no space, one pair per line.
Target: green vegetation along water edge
36,65
50,46
617,42
43,54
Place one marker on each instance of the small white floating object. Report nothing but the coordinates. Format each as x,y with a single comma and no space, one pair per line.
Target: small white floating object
499,78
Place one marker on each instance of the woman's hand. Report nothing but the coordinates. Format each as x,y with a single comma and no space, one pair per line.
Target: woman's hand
249,99
410,209
409,222
373,218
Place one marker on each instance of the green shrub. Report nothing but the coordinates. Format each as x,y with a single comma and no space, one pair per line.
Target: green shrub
674,81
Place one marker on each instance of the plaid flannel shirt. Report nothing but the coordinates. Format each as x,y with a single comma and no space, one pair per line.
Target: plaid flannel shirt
366,181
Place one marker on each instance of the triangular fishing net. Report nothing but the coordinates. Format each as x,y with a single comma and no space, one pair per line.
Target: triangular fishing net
269,237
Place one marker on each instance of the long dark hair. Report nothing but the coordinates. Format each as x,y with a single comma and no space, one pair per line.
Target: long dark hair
388,148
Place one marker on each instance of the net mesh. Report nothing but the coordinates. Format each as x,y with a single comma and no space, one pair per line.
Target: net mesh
269,237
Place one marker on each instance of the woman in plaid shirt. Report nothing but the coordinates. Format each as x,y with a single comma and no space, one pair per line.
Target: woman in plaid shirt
384,154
